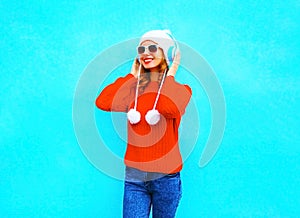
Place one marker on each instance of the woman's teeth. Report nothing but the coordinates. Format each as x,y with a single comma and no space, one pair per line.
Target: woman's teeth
147,60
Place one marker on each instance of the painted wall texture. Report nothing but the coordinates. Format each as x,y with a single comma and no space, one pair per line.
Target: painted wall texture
253,47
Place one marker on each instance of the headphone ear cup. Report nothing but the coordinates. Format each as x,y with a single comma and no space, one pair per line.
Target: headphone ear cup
171,53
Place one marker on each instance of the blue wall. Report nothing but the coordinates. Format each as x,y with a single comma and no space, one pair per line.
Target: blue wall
252,47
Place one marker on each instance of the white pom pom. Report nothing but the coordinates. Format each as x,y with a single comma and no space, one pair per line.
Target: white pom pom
133,116
152,117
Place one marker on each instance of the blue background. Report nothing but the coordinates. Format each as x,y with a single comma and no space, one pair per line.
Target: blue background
253,47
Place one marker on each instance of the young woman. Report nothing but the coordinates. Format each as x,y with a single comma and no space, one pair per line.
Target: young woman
154,103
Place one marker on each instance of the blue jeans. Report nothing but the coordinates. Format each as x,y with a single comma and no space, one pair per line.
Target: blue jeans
144,189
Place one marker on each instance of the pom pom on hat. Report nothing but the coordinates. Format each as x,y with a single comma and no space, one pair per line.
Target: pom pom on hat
133,116
152,117
164,40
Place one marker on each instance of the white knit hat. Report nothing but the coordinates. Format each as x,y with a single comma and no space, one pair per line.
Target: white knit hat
165,41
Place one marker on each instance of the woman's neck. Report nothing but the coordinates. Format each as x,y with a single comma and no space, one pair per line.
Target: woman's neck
154,76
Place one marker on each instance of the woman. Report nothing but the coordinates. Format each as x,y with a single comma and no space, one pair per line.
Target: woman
154,103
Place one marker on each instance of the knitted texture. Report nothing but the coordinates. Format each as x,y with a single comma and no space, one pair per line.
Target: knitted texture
150,148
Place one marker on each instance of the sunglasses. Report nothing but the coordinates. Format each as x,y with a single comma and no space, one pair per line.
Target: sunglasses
151,48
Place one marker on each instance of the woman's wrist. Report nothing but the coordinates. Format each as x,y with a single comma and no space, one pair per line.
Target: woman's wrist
173,69
133,74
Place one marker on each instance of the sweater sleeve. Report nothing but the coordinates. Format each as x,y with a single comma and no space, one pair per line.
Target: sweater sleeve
174,98
118,95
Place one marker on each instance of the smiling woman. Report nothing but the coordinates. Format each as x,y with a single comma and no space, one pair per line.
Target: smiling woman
151,56
154,103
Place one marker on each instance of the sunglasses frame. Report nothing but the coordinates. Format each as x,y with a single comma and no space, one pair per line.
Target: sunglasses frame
147,48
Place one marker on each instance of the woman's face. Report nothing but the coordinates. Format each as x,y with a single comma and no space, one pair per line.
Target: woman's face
151,60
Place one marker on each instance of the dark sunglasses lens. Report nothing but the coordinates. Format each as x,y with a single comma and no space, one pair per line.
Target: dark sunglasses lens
152,48
141,49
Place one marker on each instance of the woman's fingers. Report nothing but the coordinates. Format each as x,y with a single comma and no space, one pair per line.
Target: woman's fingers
177,58
135,67
175,64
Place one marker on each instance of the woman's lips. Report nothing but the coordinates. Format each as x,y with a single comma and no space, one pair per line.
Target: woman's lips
147,60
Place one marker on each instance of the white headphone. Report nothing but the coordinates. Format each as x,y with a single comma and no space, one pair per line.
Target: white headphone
152,116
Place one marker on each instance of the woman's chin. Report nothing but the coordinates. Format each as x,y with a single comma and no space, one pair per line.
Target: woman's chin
151,67
148,66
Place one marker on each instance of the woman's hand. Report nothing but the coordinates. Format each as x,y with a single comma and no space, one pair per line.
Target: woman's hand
173,69
135,68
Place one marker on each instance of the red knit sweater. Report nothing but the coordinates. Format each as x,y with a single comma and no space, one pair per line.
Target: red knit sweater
150,148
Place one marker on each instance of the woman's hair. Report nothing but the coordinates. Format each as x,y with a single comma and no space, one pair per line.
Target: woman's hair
145,75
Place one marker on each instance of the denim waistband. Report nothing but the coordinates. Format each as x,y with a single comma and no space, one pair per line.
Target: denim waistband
136,175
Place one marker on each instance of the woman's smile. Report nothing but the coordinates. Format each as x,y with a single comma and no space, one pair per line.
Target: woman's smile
148,59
